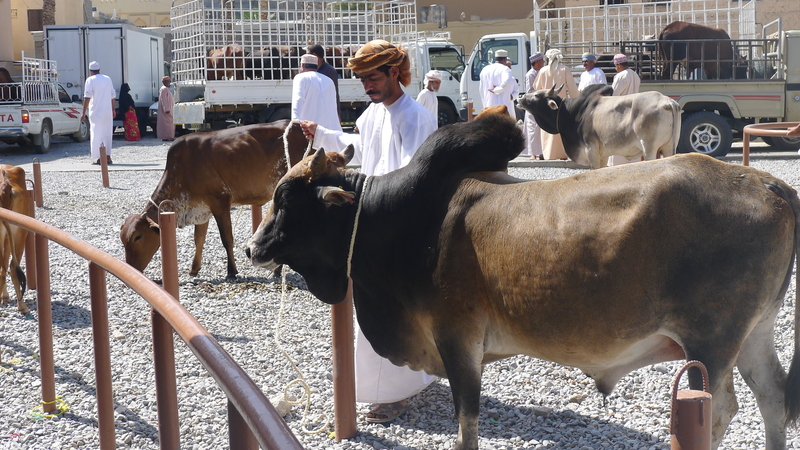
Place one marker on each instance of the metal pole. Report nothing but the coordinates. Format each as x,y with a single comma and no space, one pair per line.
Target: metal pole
163,344
37,182
469,110
255,211
344,384
104,164
746,148
30,248
45,312
102,356
239,434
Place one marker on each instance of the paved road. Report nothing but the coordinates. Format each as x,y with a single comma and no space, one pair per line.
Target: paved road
150,154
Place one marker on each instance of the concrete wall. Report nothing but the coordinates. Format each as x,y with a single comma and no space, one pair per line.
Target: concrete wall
68,12
6,43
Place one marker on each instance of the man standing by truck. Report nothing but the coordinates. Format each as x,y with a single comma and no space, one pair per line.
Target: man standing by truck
99,99
390,131
166,121
592,74
498,83
314,96
427,97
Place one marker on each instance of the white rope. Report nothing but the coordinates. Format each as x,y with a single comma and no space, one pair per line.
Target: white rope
306,396
355,226
286,144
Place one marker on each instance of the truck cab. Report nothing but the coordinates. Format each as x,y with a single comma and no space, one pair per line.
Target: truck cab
439,54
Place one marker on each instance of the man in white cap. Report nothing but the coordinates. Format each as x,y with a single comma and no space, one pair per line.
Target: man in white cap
625,82
391,130
314,95
498,83
99,99
427,97
533,140
592,74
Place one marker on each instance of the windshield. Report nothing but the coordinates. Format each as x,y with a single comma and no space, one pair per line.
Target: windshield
486,53
449,59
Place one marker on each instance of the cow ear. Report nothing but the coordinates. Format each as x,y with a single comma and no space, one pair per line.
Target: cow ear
552,104
349,152
154,225
318,164
332,195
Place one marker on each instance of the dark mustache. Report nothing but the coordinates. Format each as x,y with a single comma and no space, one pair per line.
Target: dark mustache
370,92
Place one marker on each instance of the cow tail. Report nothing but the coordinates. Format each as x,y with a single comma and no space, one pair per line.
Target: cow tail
676,126
792,394
14,261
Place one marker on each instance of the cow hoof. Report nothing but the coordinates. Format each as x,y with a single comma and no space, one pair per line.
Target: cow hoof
24,310
230,277
193,273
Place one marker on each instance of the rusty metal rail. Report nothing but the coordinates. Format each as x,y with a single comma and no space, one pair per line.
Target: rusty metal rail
777,129
253,420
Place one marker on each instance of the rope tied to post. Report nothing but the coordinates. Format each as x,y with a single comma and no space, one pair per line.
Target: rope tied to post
61,408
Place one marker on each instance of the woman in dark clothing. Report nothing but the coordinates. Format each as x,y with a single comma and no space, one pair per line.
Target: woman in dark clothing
127,111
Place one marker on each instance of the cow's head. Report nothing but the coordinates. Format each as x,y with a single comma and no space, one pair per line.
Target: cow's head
140,235
543,106
309,223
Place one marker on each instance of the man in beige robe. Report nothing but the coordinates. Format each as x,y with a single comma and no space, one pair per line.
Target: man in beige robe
166,103
555,74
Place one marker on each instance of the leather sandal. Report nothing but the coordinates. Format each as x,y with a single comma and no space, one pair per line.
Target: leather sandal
386,412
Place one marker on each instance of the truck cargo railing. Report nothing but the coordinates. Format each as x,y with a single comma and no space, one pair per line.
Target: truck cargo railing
579,26
39,84
220,40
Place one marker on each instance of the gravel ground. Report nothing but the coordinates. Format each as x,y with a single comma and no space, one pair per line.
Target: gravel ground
526,403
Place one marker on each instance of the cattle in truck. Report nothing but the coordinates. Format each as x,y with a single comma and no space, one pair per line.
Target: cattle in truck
226,63
713,58
455,264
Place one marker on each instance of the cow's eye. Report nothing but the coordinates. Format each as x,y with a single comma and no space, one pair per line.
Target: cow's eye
137,238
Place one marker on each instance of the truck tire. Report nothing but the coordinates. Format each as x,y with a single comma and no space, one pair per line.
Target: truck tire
44,138
782,143
447,114
82,135
707,133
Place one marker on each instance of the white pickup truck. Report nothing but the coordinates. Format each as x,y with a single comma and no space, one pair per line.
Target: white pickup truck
36,109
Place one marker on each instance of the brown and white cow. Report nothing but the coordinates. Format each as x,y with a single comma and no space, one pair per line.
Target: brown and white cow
206,174
227,62
595,125
14,197
455,265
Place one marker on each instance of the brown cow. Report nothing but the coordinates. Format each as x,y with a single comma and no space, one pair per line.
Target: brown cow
701,55
207,173
226,62
14,197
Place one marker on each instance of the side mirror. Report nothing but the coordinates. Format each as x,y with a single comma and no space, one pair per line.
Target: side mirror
75,98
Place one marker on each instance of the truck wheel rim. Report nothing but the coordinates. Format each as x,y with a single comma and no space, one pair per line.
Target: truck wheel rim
45,138
705,138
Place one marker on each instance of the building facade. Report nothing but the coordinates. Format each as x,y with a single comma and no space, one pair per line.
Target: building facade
142,13
28,16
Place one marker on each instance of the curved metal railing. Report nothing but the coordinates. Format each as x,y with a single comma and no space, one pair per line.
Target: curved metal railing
776,129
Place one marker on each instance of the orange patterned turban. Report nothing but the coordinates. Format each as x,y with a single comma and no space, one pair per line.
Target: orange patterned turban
378,53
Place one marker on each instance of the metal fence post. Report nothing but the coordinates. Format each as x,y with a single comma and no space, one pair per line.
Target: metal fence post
30,247
37,183
45,312
104,164
102,356
344,385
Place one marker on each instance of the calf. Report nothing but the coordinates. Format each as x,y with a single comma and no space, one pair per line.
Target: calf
14,197
207,173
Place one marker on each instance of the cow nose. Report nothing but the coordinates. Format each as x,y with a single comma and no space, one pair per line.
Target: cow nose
247,252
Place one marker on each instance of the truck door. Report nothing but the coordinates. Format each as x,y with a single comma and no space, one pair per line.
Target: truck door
104,45
155,63
483,55
447,59
66,47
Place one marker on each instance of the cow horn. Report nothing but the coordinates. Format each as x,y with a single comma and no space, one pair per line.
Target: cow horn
559,89
552,91
348,153
318,163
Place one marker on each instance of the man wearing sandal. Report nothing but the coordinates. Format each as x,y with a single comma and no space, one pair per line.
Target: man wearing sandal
390,131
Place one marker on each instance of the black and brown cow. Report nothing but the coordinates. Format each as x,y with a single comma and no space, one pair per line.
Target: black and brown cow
206,174
595,125
227,62
14,197
456,264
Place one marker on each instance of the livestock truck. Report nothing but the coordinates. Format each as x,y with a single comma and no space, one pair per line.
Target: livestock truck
126,53
233,61
764,85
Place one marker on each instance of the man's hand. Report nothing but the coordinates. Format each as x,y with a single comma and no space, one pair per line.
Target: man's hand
793,131
309,128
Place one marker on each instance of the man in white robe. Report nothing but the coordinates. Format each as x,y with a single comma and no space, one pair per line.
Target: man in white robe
314,95
427,97
390,131
591,75
99,99
165,125
533,139
555,73
498,83
625,82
